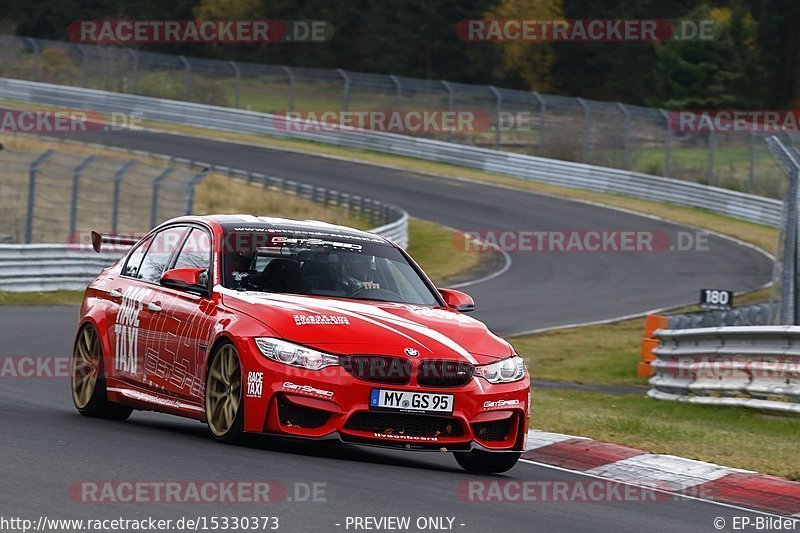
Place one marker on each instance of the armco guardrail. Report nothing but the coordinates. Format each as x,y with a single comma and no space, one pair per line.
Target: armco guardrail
48,267
736,204
757,367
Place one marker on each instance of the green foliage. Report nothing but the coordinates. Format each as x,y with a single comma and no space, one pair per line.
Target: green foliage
754,62
721,73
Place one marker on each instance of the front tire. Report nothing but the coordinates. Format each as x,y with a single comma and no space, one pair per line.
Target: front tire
88,379
224,410
480,462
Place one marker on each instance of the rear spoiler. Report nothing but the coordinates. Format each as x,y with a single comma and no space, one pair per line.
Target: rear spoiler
120,240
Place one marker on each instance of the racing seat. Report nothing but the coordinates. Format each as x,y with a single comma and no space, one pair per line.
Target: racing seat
319,275
281,275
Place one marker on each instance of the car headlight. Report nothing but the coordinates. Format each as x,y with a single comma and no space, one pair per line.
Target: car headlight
294,354
504,371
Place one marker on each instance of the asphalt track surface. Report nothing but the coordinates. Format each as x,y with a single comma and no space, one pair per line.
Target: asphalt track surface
48,448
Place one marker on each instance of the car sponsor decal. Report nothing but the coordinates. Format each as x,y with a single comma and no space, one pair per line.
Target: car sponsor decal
286,241
255,384
405,437
152,398
126,330
500,403
320,320
307,389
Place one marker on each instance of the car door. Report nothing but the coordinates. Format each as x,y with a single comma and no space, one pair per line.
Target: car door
176,364
134,331
126,300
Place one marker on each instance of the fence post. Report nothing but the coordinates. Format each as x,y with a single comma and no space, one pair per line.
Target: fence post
587,122
154,204
346,92
498,108
36,51
712,152
187,80
626,151
237,90
135,59
450,94
117,185
191,186
667,144
32,193
786,264
290,94
751,170
73,205
542,122
398,94
82,75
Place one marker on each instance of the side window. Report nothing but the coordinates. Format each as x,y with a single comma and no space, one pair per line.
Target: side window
196,251
135,260
157,257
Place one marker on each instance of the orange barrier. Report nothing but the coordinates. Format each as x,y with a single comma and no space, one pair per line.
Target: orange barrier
651,323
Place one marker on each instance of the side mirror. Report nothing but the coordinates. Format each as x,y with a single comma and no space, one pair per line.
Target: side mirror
458,300
184,278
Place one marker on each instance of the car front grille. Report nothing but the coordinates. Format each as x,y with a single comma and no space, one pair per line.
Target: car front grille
405,424
444,373
378,369
496,430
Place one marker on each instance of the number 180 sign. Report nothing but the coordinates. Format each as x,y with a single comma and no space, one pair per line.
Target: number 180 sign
716,299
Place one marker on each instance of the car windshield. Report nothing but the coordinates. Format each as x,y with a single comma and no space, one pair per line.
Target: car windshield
334,266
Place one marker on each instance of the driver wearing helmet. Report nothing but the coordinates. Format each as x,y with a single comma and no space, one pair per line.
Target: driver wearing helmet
359,272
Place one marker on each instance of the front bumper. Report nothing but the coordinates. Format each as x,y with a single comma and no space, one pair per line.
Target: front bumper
333,404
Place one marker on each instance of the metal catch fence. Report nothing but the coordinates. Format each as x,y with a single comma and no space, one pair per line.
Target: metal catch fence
608,134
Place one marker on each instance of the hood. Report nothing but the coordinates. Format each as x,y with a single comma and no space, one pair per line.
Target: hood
342,326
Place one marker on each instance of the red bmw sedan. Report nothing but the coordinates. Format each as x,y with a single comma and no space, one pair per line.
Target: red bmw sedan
259,325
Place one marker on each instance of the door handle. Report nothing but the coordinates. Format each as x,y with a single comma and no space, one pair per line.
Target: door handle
154,307
115,293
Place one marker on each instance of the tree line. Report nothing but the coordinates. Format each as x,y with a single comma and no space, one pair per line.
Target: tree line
753,60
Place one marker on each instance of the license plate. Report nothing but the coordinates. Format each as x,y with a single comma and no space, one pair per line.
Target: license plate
418,402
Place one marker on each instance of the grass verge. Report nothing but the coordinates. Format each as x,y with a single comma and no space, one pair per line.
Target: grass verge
41,298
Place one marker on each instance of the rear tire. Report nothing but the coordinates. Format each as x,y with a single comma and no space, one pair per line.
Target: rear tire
223,404
88,379
480,462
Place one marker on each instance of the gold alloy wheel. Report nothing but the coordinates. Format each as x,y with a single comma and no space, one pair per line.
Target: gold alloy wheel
223,391
85,367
